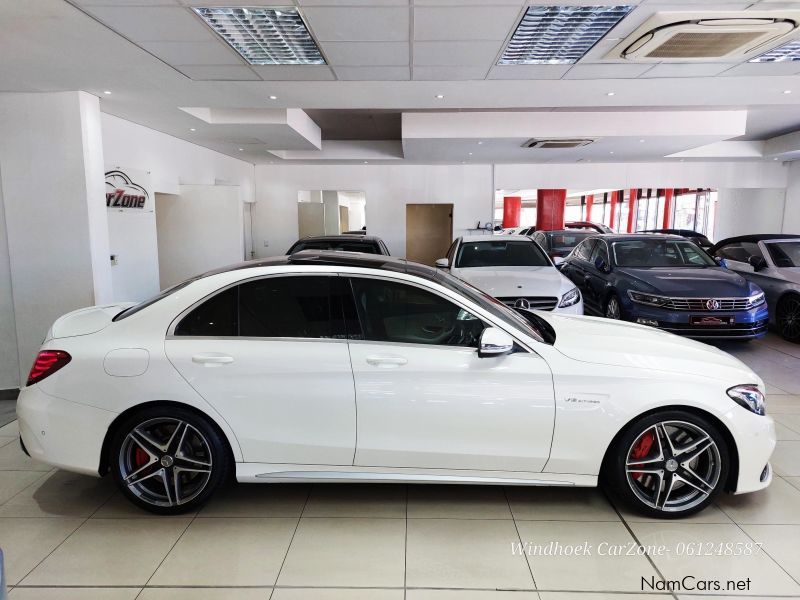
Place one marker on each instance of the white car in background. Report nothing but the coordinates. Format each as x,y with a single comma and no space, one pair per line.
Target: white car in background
338,366
515,270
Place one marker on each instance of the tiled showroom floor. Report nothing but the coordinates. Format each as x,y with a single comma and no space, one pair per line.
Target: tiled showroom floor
67,536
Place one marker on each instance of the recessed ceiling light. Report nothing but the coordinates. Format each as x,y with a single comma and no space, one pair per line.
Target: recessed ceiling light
611,93
273,97
366,162
439,96
641,141
263,35
241,149
470,153
106,92
479,143
611,152
559,34
787,91
785,53
192,129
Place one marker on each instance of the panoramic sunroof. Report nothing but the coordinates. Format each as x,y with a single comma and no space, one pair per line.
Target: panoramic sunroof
558,35
264,35
786,53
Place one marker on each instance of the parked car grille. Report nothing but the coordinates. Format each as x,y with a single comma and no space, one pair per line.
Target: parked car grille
534,302
738,330
702,304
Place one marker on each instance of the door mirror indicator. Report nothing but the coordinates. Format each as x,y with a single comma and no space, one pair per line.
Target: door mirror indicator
495,342
442,263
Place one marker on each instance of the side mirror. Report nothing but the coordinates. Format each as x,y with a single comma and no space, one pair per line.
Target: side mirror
601,265
558,261
442,263
495,342
757,262
721,262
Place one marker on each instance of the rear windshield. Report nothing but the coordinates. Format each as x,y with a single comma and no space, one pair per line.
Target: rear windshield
567,241
160,296
346,246
501,254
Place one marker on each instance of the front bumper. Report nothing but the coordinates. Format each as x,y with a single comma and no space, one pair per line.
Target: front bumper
748,324
61,433
755,439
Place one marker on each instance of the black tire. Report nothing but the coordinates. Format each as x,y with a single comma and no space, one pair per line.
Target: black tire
613,297
634,484
169,444
787,317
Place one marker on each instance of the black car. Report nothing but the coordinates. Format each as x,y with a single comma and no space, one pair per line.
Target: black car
560,243
369,244
695,236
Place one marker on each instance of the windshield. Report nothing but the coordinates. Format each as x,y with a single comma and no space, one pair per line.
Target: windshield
567,241
785,254
660,253
493,306
344,246
499,253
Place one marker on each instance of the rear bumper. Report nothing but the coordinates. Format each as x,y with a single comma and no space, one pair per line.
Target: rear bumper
61,433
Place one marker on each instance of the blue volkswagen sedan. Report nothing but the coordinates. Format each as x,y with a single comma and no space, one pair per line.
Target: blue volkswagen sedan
668,282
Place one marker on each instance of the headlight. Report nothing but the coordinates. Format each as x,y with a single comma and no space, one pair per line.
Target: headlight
571,297
756,300
648,299
748,396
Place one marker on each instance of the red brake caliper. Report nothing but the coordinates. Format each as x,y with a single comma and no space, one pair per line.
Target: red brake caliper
140,458
642,449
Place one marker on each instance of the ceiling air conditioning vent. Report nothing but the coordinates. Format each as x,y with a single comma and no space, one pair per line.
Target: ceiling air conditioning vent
556,144
709,36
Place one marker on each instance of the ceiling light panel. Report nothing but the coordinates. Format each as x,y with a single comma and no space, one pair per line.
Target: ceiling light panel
560,34
785,53
264,35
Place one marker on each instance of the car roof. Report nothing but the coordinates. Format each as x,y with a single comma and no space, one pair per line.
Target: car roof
334,258
681,232
619,237
588,232
754,238
496,238
355,237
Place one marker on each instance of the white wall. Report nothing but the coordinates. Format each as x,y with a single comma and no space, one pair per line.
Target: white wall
198,230
9,359
171,161
388,189
791,215
54,206
742,211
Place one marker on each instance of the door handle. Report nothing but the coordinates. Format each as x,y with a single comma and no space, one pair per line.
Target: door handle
386,361
212,359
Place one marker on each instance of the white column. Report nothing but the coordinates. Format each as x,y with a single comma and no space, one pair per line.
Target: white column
51,172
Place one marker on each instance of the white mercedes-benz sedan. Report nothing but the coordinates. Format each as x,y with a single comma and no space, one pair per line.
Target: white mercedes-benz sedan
515,270
335,366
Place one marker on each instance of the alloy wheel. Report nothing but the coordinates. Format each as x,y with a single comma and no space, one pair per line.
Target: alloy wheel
673,466
165,462
788,318
612,309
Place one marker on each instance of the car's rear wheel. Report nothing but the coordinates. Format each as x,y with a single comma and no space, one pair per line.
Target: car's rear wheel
168,460
613,309
787,317
668,465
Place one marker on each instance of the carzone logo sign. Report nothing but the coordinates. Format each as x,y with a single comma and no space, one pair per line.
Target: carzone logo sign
122,192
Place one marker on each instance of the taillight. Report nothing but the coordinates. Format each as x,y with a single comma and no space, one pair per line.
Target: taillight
47,362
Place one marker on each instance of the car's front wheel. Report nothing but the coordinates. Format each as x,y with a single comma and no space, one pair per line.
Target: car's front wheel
613,309
787,317
668,465
168,460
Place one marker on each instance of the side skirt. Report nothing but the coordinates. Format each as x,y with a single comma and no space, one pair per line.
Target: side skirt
269,473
